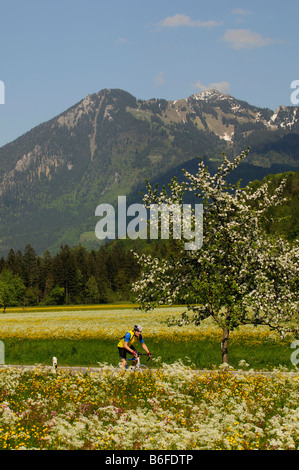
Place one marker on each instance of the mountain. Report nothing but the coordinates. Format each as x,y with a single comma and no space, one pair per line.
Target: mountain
53,177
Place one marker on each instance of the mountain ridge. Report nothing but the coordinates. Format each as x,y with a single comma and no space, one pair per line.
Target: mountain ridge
53,177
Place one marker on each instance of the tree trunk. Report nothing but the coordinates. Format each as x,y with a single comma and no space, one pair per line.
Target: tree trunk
224,346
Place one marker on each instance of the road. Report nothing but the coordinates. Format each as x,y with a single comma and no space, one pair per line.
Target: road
85,370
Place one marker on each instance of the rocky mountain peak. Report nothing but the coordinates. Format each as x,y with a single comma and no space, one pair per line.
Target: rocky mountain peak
210,95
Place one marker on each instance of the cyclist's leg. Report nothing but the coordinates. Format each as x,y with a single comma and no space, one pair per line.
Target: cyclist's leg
123,356
134,362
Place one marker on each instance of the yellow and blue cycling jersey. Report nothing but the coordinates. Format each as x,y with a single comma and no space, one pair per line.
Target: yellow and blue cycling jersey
129,338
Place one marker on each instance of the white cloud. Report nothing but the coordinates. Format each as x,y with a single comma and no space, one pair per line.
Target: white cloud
240,11
121,41
184,20
159,79
246,39
223,87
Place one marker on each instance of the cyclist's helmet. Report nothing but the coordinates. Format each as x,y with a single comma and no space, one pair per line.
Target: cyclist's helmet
138,328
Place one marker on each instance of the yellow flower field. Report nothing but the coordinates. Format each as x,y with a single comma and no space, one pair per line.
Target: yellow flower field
87,324
171,409
109,322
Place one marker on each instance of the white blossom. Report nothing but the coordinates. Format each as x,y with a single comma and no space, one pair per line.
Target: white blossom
240,275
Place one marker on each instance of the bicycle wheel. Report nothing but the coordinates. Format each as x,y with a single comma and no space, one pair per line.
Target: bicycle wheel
141,368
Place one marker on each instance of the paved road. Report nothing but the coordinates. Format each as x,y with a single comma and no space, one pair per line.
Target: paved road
70,369
85,370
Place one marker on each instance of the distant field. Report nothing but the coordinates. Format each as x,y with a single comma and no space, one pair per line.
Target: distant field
85,335
58,308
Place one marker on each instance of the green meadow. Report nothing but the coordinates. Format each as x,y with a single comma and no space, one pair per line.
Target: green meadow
85,336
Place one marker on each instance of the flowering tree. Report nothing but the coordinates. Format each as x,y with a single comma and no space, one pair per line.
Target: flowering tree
239,275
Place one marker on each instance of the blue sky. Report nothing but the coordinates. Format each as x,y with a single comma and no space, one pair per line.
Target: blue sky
54,53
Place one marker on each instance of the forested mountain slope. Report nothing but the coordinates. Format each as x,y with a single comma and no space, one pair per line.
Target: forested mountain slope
53,177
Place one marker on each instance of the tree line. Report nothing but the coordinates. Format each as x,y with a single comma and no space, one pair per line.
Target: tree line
71,276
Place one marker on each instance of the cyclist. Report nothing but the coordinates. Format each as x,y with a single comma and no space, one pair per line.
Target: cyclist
125,344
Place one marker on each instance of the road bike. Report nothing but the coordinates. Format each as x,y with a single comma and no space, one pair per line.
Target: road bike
136,367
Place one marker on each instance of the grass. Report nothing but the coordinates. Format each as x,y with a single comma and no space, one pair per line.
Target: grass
86,335
203,354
